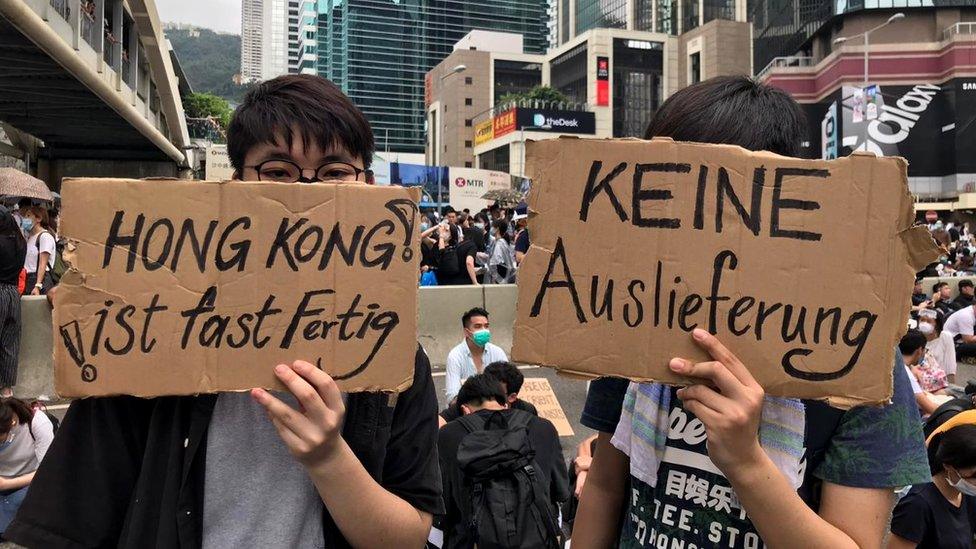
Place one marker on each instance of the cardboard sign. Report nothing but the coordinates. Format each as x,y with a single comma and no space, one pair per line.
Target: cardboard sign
184,287
537,391
803,268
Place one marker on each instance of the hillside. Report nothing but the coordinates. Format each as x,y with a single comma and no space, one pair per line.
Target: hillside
209,59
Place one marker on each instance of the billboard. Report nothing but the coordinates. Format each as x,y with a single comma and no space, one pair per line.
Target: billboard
484,132
602,81
218,164
558,121
504,123
468,185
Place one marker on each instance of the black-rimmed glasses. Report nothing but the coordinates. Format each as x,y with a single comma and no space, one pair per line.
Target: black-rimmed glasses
286,171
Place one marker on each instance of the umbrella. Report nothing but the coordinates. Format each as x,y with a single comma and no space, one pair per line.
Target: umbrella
506,198
17,183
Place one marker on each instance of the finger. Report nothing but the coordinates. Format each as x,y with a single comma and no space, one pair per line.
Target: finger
714,372
707,415
288,416
720,353
308,398
707,396
323,383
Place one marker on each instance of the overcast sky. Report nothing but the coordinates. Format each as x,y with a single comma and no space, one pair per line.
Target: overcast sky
219,15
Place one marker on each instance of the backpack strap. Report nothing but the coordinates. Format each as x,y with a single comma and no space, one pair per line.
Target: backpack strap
471,422
541,504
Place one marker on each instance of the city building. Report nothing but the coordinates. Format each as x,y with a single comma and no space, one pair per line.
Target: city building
264,39
673,17
613,80
302,31
378,52
908,89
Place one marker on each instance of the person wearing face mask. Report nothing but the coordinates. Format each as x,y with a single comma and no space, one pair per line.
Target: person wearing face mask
939,343
41,251
471,355
24,439
942,513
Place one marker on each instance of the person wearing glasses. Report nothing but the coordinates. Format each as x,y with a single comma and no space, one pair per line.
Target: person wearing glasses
311,467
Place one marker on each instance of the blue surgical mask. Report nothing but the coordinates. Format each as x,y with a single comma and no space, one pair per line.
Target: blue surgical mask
27,224
424,226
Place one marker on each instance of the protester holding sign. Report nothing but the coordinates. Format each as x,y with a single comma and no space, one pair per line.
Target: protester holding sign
718,463
214,470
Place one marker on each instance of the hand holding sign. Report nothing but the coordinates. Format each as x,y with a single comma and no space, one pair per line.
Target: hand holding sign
312,434
729,403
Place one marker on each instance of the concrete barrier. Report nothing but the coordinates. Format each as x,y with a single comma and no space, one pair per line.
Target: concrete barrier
35,372
439,330
953,281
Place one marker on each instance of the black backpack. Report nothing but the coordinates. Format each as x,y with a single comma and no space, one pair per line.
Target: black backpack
447,261
510,504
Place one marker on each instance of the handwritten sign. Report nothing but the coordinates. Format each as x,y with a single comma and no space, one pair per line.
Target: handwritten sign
184,287
537,391
802,268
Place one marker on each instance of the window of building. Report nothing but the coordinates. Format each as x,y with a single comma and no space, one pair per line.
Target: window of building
515,77
467,144
468,80
568,74
467,102
690,15
638,76
467,122
592,14
694,68
467,164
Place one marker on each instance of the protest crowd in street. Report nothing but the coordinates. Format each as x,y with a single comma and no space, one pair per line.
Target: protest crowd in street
717,463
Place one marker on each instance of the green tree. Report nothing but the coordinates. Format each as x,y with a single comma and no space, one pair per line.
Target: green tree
203,105
539,93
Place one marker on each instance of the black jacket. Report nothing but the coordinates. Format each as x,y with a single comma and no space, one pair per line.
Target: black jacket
129,472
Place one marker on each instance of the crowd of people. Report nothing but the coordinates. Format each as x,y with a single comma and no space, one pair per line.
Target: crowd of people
717,463
461,248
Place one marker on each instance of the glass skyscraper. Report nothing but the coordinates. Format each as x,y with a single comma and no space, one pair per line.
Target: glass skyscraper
378,51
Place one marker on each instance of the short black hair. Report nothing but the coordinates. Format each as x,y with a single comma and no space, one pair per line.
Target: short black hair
955,447
911,342
938,286
477,311
481,388
965,283
507,373
310,104
734,110
449,210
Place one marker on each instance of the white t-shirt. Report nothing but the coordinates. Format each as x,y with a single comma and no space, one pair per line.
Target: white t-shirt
944,351
48,244
916,387
961,322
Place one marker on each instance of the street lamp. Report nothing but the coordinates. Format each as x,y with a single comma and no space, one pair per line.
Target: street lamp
866,34
457,69
544,127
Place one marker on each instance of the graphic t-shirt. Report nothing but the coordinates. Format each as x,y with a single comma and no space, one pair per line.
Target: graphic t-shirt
693,504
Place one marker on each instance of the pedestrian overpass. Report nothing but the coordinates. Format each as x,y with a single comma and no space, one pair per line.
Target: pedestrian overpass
94,81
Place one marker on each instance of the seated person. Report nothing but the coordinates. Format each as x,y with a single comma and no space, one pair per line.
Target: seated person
942,298
483,403
912,346
960,326
511,379
942,514
474,353
966,297
940,345
25,436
